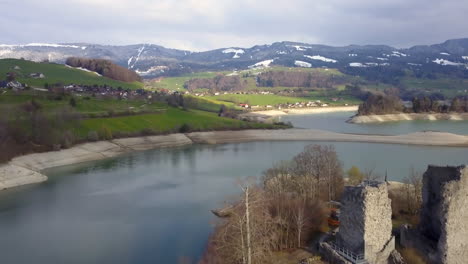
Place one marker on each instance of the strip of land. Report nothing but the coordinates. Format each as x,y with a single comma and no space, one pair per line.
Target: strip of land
408,117
268,115
304,111
27,169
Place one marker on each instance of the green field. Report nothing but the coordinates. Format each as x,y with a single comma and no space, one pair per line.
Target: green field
84,104
167,122
129,117
57,73
271,99
258,99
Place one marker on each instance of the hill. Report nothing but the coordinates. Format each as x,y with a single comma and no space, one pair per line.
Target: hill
152,60
57,73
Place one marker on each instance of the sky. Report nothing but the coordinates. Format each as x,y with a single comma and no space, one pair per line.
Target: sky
200,25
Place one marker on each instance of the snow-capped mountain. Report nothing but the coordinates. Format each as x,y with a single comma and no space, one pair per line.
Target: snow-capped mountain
152,60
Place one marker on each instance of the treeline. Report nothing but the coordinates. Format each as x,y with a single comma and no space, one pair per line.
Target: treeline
29,128
217,84
105,68
390,104
282,213
299,79
380,105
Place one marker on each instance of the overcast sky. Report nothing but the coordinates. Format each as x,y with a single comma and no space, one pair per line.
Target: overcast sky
208,24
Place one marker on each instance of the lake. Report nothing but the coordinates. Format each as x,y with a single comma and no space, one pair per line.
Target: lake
337,122
154,206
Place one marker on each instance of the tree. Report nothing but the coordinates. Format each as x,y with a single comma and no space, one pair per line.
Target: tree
11,76
72,102
222,110
456,105
354,176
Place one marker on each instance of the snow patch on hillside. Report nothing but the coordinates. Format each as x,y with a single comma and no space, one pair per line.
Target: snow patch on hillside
446,62
49,45
5,52
83,69
398,54
352,55
265,64
445,54
154,69
414,64
382,59
320,58
140,51
303,64
299,48
465,57
235,51
356,64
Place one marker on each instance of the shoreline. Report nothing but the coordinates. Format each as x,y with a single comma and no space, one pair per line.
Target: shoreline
366,119
27,169
305,111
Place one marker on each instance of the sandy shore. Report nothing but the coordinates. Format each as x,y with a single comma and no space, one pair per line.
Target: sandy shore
407,117
27,169
304,111
419,138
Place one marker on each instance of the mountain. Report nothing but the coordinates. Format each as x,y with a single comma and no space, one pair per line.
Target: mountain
152,60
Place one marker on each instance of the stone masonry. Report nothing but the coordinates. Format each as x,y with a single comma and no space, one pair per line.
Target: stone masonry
444,215
366,224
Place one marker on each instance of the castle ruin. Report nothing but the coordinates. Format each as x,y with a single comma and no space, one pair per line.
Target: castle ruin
365,234
442,234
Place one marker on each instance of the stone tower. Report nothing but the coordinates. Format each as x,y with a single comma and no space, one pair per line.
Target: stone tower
366,222
444,215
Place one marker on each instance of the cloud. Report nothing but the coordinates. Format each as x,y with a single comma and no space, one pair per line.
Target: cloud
208,24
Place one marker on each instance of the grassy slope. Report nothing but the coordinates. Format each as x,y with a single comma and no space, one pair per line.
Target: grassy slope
90,106
162,119
258,99
57,73
177,83
166,122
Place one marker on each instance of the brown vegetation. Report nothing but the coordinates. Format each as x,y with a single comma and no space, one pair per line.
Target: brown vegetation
284,213
27,128
105,68
380,105
218,83
407,201
298,79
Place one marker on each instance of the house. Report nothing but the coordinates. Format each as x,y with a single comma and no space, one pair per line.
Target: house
15,85
244,105
37,75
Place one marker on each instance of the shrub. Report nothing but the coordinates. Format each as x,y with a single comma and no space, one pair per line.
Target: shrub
185,128
105,133
93,136
147,132
72,102
68,139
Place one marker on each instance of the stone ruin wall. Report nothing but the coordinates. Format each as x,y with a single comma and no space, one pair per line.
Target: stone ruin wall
444,215
366,225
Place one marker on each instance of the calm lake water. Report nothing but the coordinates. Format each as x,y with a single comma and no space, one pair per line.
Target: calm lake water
337,122
154,206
